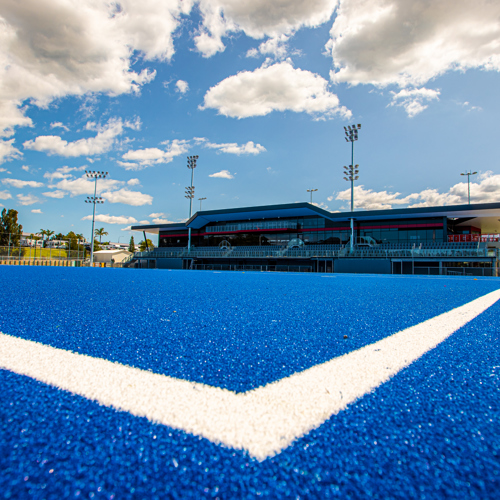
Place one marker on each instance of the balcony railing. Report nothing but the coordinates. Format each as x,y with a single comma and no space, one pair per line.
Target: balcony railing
322,252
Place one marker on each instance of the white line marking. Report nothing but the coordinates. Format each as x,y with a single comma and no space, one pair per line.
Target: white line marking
263,421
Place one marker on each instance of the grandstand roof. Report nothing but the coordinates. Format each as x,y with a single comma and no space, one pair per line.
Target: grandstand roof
485,215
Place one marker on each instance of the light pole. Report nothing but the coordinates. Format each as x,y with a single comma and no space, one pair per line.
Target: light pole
200,200
351,133
311,191
94,200
468,174
190,192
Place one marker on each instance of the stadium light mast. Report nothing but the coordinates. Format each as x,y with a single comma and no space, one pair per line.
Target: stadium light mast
91,174
200,200
311,191
468,174
351,173
190,192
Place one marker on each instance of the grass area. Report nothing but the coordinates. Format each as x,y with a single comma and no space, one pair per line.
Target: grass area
45,253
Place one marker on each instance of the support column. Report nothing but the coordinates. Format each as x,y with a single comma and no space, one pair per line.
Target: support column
352,235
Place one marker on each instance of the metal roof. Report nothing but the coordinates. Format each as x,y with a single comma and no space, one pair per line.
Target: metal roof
484,211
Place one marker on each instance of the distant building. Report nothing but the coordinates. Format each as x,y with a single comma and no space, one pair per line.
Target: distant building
109,256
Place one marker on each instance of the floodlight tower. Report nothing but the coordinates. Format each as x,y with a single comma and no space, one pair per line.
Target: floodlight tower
94,200
351,172
468,174
200,200
190,192
311,191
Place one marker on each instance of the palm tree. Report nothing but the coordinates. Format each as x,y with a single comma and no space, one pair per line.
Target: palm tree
100,233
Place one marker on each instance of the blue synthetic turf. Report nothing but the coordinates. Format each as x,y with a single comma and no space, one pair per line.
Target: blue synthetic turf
233,330
431,432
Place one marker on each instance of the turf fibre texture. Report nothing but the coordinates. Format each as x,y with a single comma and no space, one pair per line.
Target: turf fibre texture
430,432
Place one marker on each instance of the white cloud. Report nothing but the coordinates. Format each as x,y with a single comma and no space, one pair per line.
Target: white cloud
28,199
111,219
5,195
63,182
52,49
83,185
162,221
21,184
133,182
142,158
257,19
134,124
279,87
276,46
128,228
373,200
223,174
8,152
320,205
181,86
59,125
409,42
36,211
412,100
62,172
232,147
101,143
127,197
484,191
55,194
25,168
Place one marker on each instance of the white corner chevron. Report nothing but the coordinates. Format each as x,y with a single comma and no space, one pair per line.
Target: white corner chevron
262,421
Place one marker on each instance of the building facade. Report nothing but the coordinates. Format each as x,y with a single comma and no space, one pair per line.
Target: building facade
262,236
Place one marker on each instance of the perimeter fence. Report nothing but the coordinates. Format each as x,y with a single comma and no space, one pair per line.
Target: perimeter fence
22,253
270,268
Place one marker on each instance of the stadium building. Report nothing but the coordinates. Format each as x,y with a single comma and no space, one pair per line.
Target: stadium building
461,239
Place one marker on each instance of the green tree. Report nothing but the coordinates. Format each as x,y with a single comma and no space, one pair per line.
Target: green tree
10,229
100,232
72,240
45,233
144,245
131,245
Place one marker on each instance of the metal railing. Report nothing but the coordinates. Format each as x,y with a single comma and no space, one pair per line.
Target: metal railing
36,253
346,252
452,271
269,268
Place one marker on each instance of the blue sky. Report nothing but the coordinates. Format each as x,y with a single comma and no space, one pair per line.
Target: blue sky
259,90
